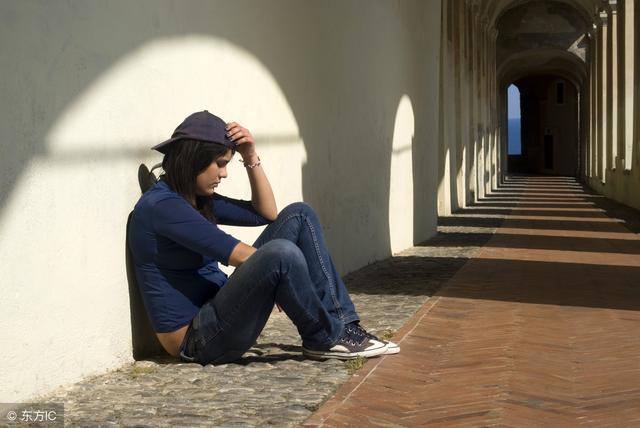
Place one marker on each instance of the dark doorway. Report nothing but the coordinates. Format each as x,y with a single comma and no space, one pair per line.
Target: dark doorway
549,127
548,151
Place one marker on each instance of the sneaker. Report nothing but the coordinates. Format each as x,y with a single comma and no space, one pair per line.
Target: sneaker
392,348
351,345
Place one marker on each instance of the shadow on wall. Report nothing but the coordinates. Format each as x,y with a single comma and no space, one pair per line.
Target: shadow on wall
341,78
342,83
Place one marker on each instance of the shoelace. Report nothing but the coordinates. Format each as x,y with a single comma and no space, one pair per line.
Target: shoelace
354,336
348,338
361,331
352,342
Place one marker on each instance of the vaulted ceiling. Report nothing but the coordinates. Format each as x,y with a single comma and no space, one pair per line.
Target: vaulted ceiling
492,9
541,36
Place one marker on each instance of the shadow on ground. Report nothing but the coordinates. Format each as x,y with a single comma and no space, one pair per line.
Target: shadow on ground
576,250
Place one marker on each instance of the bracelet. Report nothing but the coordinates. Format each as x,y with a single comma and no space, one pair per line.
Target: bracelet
253,165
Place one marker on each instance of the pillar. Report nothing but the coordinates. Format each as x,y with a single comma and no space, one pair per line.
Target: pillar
465,100
629,80
603,81
593,135
614,126
497,146
444,150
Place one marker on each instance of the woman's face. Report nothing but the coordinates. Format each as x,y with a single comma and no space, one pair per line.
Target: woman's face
208,180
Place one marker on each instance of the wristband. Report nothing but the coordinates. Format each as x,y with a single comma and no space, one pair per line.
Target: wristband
252,165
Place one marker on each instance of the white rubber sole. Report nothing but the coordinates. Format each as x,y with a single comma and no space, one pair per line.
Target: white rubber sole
392,348
374,350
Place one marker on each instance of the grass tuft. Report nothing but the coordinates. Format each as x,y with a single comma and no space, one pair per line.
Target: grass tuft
138,371
387,334
354,365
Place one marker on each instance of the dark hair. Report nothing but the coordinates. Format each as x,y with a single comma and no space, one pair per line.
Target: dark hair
182,163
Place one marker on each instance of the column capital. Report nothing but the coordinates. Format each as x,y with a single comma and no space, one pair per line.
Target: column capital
613,6
473,6
604,17
596,21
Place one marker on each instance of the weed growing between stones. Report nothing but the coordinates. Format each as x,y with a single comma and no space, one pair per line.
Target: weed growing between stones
137,371
354,365
387,334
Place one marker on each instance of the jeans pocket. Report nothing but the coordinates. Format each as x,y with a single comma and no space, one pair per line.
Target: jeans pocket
187,348
207,325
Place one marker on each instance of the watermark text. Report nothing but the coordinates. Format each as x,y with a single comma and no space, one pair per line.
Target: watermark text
32,414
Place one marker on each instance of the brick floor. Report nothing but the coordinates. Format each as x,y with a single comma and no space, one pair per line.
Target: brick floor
541,328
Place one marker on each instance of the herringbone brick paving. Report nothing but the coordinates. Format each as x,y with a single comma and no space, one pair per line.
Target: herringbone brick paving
541,328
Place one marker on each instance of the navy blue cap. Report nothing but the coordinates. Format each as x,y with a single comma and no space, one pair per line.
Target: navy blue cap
202,126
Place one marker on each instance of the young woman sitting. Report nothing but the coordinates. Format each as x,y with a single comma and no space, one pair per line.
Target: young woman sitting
197,312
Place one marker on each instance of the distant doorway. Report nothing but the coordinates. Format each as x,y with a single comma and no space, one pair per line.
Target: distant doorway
514,130
548,152
543,138
513,118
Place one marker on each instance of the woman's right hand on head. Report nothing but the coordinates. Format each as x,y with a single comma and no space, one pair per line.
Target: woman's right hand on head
245,145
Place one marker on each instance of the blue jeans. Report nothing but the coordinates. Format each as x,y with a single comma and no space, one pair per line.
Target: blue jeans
292,267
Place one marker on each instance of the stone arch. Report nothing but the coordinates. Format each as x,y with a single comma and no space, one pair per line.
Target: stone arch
494,9
542,61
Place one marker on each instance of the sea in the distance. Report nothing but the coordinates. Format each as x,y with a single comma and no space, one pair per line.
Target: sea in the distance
515,147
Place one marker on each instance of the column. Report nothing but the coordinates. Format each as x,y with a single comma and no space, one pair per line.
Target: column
468,106
613,32
444,167
459,77
604,100
486,178
473,102
495,125
482,108
595,115
462,102
629,80
452,11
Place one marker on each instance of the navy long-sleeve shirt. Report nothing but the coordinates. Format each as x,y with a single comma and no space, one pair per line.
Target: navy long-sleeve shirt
176,252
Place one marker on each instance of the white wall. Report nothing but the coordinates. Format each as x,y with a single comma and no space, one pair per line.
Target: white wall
88,87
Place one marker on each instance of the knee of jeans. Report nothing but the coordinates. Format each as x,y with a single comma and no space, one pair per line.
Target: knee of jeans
282,250
299,207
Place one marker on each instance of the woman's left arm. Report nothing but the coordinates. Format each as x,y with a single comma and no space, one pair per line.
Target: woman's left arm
262,197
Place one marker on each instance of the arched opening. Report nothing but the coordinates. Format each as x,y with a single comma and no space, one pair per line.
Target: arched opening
542,50
549,127
514,130
513,116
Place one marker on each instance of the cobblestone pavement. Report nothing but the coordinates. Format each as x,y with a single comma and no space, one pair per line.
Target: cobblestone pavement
273,385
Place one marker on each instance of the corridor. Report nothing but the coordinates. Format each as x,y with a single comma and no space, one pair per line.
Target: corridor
538,329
